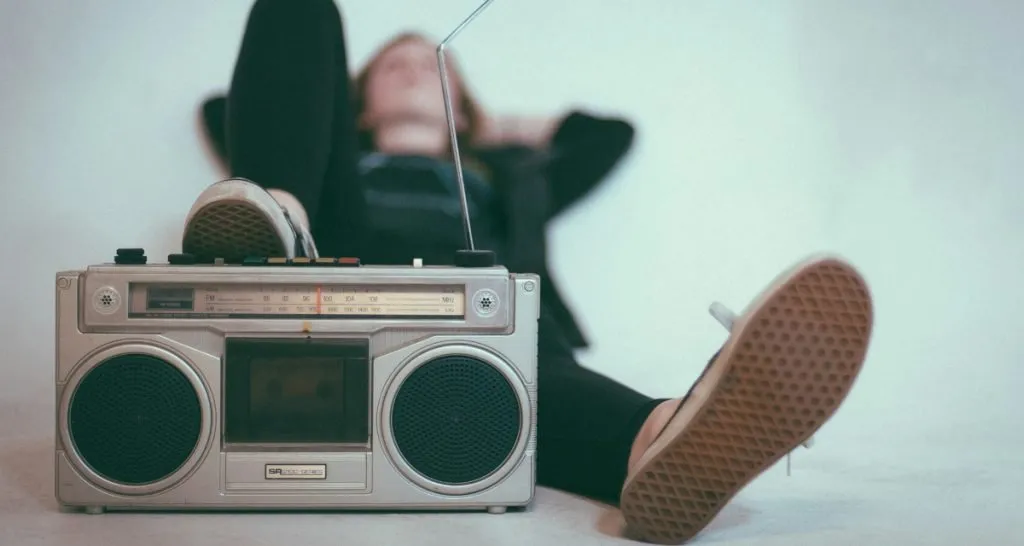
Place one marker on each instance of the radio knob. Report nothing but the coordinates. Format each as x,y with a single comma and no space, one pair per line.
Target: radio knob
181,259
254,261
130,256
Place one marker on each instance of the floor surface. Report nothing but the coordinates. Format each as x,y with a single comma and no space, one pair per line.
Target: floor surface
900,496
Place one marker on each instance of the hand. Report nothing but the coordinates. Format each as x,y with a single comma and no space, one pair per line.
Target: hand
517,130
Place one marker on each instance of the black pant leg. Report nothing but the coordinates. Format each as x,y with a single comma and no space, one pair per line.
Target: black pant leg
290,124
586,423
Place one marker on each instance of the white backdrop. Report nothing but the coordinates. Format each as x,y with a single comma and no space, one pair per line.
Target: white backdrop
888,132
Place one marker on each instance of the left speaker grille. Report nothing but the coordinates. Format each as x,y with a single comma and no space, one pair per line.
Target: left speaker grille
135,419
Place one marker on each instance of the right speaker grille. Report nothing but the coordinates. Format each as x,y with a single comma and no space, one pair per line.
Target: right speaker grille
456,419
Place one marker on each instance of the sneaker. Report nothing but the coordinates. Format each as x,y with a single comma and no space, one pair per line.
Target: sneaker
235,219
791,359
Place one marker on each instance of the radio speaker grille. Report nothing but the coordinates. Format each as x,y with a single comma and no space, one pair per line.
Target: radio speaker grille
456,419
134,419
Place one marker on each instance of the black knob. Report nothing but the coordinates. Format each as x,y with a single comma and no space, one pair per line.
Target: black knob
130,256
181,259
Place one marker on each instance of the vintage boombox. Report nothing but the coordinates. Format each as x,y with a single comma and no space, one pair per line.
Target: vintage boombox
303,384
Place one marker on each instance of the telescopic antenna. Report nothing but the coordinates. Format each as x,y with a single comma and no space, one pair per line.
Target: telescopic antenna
470,257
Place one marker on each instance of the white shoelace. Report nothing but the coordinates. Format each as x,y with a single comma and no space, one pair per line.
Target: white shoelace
727,318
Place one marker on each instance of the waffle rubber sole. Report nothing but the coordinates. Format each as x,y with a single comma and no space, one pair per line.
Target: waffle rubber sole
233,230
789,363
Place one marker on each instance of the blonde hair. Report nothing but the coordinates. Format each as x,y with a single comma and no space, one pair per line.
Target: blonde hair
467,106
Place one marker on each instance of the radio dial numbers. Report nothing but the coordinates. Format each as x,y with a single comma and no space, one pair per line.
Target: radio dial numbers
331,301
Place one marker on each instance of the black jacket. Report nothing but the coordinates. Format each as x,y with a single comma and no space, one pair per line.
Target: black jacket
535,186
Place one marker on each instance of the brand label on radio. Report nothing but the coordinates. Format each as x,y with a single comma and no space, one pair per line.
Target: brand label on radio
296,472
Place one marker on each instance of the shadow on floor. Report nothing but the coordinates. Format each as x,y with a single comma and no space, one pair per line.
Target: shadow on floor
26,466
610,523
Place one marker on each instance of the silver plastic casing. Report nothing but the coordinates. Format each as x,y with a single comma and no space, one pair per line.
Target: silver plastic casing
98,317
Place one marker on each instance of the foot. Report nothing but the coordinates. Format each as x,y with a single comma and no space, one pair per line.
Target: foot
789,362
235,219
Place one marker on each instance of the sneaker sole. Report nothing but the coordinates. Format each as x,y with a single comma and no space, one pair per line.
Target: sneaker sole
236,219
789,363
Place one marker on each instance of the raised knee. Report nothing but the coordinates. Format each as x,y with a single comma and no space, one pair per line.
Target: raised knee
306,13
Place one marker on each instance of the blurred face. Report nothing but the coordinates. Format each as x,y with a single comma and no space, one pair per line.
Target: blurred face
404,85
